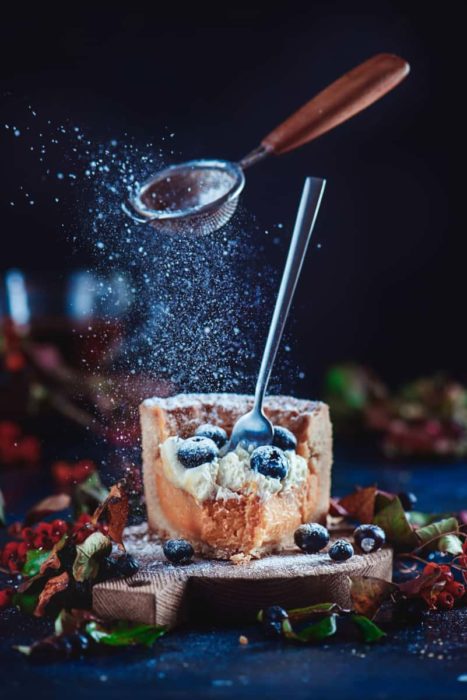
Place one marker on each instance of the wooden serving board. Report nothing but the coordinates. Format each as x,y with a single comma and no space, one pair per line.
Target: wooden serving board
165,594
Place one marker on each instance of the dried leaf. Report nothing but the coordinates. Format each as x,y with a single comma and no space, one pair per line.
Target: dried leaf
54,561
428,535
89,554
54,585
313,633
415,585
124,634
360,504
115,511
49,505
393,520
336,509
370,631
368,594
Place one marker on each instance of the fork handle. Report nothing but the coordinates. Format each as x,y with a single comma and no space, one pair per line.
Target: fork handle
304,223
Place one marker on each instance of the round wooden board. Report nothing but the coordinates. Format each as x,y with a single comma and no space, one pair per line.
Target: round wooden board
165,594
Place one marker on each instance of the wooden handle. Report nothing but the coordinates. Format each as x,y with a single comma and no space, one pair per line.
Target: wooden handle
347,96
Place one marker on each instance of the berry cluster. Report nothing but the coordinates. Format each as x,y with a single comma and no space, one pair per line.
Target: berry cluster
17,448
442,591
44,536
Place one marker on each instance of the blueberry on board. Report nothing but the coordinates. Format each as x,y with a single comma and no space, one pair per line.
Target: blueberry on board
272,620
126,566
284,438
214,432
178,551
311,537
341,550
196,451
408,500
369,538
117,567
269,461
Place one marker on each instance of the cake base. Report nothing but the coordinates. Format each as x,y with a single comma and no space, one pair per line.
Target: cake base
165,594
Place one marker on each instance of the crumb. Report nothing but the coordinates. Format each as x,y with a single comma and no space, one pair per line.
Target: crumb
240,558
243,640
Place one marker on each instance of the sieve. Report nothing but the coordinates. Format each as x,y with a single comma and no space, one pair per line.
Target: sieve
200,196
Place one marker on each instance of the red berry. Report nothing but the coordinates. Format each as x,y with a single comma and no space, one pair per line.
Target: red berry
14,361
446,573
9,432
29,449
58,529
15,529
445,600
5,598
431,569
13,556
456,589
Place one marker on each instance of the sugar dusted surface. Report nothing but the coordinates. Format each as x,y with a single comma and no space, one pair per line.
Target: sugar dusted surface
147,549
230,401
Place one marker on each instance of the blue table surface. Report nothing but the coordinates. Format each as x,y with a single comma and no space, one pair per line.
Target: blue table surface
428,660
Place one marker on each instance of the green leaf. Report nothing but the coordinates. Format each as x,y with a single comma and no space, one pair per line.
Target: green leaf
89,554
451,544
34,560
370,631
392,518
125,634
88,495
420,519
313,633
26,602
23,649
428,535
318,609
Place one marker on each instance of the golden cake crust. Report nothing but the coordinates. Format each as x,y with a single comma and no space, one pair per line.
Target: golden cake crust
245,525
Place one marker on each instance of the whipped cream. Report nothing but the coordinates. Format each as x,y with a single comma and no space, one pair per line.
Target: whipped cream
229,476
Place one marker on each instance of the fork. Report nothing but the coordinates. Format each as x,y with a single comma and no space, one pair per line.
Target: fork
254,428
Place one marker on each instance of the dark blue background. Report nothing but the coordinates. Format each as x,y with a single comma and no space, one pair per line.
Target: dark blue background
385,287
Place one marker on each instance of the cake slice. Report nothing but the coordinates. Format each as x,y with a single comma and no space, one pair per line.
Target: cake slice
225,508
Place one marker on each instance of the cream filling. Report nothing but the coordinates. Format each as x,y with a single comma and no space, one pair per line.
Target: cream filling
229,476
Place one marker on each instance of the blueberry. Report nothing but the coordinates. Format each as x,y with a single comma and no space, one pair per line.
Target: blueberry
311,537
272,620
270,461
117,567
284,438
214,432
178,551
369,538
408,500
127,565
341,550
196,451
